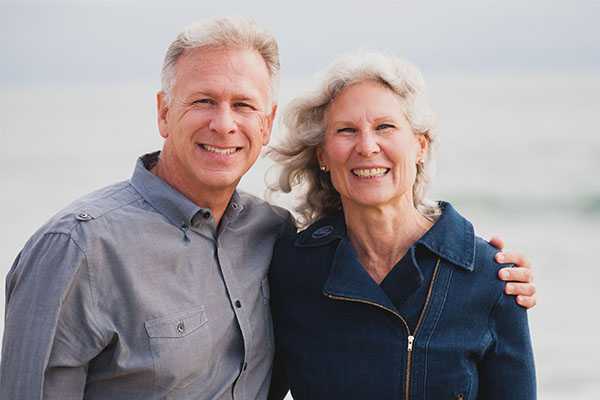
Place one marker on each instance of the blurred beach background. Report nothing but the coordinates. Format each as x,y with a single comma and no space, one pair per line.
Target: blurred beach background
516,87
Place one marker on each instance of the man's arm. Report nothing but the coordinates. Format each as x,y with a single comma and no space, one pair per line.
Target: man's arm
520,278
50,331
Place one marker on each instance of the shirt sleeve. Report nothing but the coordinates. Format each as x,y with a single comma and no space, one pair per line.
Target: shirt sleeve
51,329
507,370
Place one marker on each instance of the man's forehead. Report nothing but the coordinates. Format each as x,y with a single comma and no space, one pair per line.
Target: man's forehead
236,63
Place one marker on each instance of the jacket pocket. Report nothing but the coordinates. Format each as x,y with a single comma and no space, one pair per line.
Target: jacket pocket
180,344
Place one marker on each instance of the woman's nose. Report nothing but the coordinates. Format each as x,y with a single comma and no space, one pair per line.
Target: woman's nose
367,144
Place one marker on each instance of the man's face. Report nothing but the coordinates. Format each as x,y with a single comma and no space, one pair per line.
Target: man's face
219,117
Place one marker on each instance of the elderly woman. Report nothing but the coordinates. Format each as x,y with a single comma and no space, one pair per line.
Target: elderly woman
386,295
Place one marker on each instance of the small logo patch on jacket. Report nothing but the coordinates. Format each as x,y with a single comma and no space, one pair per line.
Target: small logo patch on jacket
322,232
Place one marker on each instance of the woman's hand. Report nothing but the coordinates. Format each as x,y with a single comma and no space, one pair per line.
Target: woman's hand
520,278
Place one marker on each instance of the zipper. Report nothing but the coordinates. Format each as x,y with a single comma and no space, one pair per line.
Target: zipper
411,336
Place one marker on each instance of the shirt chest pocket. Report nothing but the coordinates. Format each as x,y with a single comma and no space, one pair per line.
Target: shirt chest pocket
180,345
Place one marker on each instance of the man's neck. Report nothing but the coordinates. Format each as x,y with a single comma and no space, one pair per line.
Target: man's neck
215,200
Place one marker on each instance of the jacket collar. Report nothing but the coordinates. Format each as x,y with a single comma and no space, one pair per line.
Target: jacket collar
348,280
451,237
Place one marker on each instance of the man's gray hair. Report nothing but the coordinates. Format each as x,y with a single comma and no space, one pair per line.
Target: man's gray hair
229,33
304,123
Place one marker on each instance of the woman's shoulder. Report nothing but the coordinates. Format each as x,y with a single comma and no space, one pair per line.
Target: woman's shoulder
309,245
453,238
485,265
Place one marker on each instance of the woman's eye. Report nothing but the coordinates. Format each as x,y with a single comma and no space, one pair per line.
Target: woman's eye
382,127
346,130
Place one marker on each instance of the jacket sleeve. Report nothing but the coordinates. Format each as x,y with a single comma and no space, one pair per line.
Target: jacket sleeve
51,330
507,370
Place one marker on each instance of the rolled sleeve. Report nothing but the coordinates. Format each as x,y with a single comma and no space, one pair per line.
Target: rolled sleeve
50,329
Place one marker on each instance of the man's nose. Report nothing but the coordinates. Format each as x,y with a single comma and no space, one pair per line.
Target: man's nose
222,121
367,144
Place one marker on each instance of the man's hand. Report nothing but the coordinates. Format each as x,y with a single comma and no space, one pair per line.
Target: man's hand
520,278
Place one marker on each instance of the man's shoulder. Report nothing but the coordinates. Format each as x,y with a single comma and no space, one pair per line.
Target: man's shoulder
257,209
96,205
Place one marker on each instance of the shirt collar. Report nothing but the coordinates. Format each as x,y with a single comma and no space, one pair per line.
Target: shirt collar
165,199
451,237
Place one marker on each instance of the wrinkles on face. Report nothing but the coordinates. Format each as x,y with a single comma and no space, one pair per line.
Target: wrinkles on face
217,122
369,147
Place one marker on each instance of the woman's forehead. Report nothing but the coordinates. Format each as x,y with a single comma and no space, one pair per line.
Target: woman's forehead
367,98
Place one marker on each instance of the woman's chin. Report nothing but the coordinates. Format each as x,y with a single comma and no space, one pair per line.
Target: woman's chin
371,200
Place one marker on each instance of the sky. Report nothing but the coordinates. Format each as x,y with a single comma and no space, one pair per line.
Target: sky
92,41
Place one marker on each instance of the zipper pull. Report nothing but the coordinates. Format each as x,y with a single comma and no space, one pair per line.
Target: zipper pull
411,339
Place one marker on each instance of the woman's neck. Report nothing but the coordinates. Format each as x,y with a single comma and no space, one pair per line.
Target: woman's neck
381,236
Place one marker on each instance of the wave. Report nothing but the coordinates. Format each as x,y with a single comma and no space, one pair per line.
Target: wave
581,206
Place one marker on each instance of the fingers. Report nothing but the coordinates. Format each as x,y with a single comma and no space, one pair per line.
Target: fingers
517,274
527,301
513,258
520,289
497,242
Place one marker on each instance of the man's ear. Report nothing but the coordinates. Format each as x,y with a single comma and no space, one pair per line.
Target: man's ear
270,118
162,110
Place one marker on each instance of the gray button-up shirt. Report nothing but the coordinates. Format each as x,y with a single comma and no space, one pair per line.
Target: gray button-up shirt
133,292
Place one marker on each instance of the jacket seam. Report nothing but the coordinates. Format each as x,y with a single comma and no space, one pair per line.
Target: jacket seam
440,312
492,310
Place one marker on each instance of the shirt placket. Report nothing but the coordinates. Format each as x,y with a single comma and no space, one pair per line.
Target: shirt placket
237,301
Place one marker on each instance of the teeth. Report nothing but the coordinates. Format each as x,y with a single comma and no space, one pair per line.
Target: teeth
218,150
369,172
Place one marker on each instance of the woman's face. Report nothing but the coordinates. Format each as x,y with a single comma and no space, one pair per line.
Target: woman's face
369,147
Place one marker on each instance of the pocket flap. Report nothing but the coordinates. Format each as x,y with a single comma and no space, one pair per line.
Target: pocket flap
178,325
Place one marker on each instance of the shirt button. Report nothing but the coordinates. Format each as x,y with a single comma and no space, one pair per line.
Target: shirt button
238,304
83,216
235,206
181,328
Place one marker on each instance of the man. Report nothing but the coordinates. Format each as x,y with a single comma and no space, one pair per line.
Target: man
156,287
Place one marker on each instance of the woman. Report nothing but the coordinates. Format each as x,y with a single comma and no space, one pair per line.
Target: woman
386,295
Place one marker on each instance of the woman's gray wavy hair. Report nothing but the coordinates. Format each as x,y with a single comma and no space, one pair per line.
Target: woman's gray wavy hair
304,125
227,32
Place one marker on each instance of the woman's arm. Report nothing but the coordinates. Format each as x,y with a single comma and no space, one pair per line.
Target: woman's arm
507,370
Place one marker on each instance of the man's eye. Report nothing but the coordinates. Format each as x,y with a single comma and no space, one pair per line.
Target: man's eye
244,106
203,101
382,127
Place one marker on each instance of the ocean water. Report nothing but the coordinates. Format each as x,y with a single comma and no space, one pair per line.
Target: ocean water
519,156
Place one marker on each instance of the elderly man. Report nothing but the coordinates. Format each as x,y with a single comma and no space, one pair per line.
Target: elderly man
156,287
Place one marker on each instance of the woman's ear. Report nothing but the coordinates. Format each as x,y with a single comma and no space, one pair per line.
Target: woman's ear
424,146
319,152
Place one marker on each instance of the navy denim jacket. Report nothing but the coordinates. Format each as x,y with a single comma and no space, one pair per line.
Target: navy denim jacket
339,336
